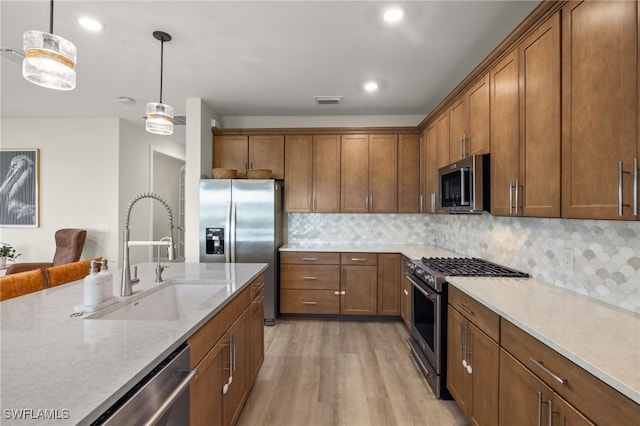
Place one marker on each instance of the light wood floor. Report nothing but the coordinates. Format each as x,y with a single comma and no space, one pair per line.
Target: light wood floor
350,373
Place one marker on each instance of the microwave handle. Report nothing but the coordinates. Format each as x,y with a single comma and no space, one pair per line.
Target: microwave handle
463,197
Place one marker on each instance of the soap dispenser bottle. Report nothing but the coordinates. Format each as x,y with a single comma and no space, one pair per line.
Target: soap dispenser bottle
93,289
107,278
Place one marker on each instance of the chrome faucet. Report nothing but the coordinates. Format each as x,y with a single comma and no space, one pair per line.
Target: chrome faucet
125,285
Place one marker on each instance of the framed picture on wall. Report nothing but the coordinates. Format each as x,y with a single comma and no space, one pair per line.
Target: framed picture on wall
19,187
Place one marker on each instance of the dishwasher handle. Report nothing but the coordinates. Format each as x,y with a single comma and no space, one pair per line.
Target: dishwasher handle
189,375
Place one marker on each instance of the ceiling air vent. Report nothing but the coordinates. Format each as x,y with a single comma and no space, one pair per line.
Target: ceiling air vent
328,100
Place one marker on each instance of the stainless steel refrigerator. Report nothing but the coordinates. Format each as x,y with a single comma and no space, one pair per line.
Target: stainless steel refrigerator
241,221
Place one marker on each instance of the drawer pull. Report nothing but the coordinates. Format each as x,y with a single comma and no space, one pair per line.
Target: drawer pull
466,309
338,293
310,259
309,278
406,293
309,303
358,259
546,370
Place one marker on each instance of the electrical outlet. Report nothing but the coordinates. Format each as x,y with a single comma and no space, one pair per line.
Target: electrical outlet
567,259
103,227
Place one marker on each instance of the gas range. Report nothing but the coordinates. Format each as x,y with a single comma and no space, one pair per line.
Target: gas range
432,271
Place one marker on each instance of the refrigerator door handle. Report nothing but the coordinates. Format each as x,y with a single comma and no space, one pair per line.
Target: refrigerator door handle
227,234
233,232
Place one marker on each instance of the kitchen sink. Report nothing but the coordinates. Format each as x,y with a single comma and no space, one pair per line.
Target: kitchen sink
168,302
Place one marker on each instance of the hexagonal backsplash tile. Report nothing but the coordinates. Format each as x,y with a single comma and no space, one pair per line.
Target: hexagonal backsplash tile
605,254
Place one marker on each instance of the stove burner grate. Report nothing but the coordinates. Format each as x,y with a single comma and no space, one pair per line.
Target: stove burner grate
470,267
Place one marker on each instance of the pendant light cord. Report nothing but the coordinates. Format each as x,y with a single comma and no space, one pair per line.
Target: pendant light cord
161,64
51,19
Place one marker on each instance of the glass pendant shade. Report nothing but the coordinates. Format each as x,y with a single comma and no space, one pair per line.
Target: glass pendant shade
49,60
159,118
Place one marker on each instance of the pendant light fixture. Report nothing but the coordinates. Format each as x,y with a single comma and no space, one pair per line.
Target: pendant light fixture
49,59
159,115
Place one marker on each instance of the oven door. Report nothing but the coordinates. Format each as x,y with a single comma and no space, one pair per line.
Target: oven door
426,323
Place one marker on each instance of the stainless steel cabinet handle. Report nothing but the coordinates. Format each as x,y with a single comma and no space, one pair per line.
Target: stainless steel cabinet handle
619,188
466,309
433,202
337,293
309,278
358,259
462,147
421,203
539,423
406,293
461,342
550,414
309,303
464,346
517,190
309,259
635,187
510,197
371,202
549,372
366,203
182,386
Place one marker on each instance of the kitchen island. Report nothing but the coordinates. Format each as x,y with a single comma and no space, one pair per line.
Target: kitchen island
61,369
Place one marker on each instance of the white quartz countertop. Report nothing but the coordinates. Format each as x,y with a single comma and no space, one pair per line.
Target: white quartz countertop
411,251
601,339
77,368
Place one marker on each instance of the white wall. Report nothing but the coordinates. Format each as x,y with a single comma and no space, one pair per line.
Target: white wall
90,169
321,121
78,183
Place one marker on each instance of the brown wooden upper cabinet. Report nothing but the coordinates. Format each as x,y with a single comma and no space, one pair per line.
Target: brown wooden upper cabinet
469,122
368,173
250,152
312,167
409,195
599,109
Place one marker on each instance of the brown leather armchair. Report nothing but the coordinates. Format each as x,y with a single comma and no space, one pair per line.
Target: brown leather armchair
69,245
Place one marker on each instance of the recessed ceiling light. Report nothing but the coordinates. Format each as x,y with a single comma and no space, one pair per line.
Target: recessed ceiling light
393,15
371,86
90,24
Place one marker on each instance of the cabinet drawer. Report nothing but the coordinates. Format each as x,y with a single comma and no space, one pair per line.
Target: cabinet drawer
595,399
310,277
309,302
484,318
256,287
359,258
309,258
207,336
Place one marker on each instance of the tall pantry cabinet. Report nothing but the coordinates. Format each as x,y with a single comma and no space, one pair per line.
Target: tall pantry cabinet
599,108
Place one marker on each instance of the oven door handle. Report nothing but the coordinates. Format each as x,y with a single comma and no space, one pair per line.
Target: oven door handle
420,289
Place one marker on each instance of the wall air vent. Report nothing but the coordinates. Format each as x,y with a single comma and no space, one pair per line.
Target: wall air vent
328,100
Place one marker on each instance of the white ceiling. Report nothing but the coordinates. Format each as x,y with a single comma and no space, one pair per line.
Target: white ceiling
255,58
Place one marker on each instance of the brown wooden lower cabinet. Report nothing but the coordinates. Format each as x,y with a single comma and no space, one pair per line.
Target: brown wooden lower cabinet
340,283
472,369
227,353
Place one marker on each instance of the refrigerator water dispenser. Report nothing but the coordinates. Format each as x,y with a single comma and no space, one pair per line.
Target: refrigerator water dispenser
214,241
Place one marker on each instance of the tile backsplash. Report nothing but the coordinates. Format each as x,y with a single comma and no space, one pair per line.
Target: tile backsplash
605,254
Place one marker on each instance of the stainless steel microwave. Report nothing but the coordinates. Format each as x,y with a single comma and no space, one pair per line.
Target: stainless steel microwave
463,186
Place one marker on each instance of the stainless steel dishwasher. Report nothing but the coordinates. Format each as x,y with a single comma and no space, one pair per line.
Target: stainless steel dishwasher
161,398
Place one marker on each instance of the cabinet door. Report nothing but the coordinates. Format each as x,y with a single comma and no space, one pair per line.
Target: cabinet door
458,380
326,174
478,118
205,392
231,152
359,284
383,173
256,337
540,120
504,136
457,128
431,139
389,275
425,197
524,399
564,414
483,356
267,152
354,174
441,151
599,106
298,166
233,399
409,174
